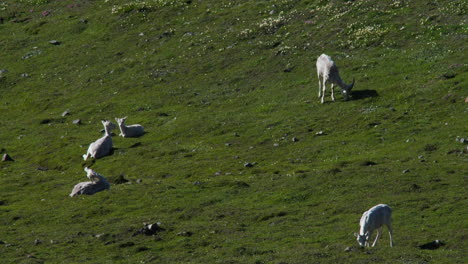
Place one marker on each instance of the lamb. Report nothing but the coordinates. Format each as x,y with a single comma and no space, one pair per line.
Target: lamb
372,219
327,69
129,131
103,146
98,183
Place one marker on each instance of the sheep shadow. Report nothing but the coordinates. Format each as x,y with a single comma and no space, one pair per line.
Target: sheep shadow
362,94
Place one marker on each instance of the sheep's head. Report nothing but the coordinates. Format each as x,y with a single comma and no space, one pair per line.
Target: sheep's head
347,90
361,239
92,175
121,121
108,124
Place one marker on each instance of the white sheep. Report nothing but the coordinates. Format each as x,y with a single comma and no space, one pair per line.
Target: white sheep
327,69
129,131
373,219
103,146
98,183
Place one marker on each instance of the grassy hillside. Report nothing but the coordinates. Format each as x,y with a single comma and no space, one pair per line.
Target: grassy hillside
220,85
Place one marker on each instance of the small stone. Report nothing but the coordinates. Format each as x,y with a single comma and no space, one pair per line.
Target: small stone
41,168
66,113
76,121
185,234
432,245
37,242
320,133
54,42
150,229
348,249
406,171
228,144
276,145
7,157
139,181
295,139
248,165
3,71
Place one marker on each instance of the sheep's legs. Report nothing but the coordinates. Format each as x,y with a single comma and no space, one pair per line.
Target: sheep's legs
332,92
323,90
320,86
379,232
390,231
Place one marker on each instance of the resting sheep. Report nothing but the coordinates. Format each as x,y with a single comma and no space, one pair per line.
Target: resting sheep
103,146
129,131
98,183
373,219
327,69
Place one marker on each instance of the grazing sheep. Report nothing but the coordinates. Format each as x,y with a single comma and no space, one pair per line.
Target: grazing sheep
373,219
129,131
327,69
98,183
103,146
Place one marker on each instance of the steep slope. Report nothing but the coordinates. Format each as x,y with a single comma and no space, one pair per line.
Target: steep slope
240,163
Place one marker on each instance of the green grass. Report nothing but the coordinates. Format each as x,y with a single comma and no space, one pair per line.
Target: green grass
217,84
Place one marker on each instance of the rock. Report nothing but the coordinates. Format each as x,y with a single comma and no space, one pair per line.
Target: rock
368,163
320,133
66,113
249,165
405,171
185,234
348,249
227,144
2,71
150,229
45,121
76,121
295,139
41,168
37,242
139,181
432,245
55,42
466,100
7,157
276,145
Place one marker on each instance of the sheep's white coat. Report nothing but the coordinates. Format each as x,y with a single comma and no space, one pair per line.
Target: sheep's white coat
327,69
129,131
103,146
98,183
372,219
